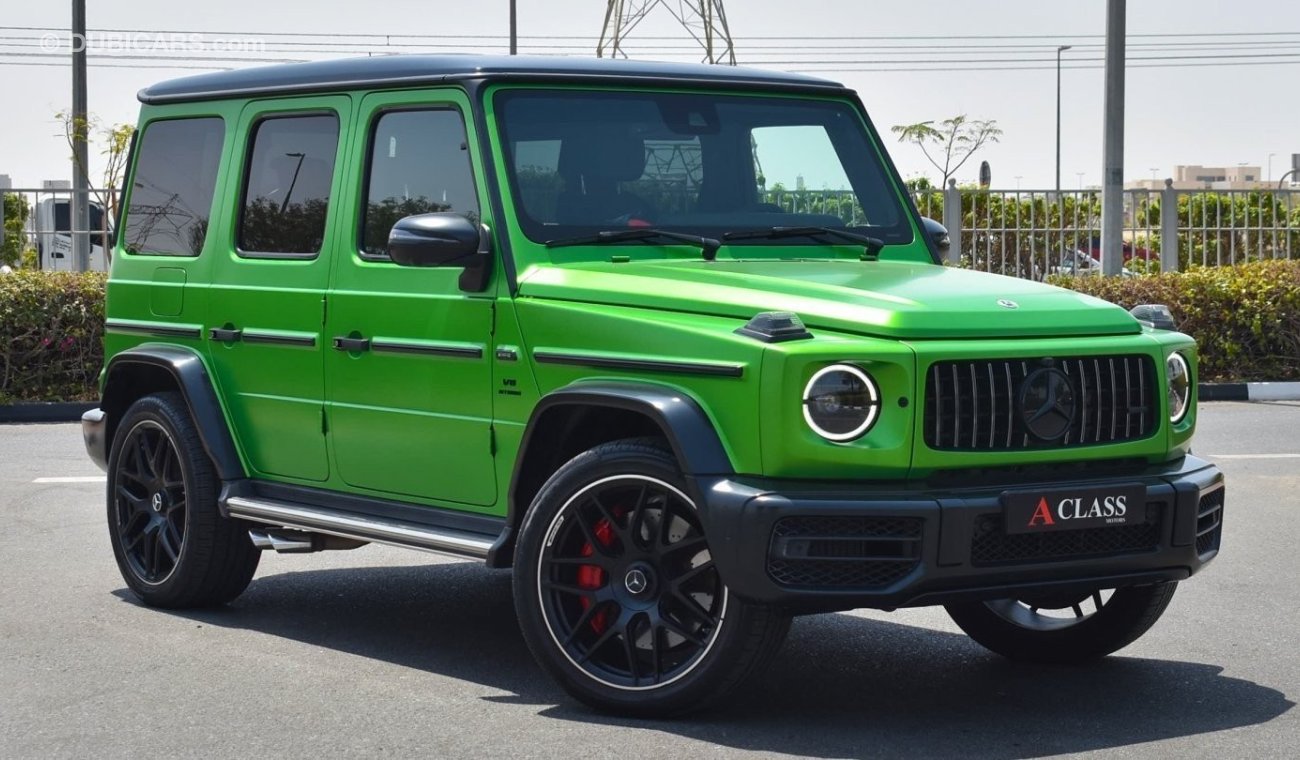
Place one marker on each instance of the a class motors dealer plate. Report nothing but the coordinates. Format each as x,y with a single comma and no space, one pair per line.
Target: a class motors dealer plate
1074,508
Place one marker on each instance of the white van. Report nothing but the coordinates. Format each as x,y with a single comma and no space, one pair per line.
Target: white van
51,225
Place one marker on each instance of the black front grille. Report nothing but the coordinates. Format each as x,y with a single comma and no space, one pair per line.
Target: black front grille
976,405
1209,521
992,545
844,552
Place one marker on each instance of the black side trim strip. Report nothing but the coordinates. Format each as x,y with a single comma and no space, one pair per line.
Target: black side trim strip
403,347
252,336
155,329
645,365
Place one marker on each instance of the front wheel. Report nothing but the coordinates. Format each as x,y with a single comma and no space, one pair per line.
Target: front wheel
617,593
1064,628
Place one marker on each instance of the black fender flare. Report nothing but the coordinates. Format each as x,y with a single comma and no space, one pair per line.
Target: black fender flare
685,425
191,376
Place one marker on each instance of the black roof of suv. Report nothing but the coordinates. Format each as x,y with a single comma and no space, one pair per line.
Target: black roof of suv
405,70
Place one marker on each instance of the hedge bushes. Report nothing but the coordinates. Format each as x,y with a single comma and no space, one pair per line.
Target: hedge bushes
51,336
1246,318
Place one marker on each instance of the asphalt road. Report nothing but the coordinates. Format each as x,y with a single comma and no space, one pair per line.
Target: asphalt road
379,651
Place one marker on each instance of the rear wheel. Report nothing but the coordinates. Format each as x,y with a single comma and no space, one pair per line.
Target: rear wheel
617,592
1064,628
172,545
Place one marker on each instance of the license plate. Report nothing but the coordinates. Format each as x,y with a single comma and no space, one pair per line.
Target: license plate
1074,508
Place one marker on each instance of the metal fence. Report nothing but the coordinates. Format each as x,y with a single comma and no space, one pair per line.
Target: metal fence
1034,233
1024,233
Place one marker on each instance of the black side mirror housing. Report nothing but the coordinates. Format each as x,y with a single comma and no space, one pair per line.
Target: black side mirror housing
444,239
439,239
938,235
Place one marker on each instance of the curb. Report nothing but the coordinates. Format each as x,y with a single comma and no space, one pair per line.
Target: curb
45,411
1289,391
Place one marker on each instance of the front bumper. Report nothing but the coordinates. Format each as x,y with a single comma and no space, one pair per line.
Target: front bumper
94,427
821,547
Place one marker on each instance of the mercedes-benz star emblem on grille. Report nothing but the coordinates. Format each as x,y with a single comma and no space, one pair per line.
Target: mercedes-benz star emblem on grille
1047,403
1007,303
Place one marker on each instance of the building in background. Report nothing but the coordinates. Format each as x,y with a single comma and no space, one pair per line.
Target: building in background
1197,177
5,182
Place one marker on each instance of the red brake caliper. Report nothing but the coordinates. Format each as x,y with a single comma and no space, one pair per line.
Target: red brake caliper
591,576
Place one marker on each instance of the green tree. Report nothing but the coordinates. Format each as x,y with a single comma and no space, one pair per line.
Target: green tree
950,143
16,211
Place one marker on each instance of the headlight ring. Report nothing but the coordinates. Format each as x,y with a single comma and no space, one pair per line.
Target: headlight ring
1179,381
841,402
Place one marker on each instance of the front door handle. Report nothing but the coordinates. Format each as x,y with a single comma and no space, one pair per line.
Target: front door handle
344,343
225,334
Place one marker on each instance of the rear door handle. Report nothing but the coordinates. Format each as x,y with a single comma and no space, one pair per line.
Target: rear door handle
225,335
343,343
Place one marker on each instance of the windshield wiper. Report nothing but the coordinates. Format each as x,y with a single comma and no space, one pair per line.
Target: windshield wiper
873,245
708,246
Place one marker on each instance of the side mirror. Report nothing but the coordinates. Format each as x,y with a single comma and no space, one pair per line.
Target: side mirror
938,234
438,239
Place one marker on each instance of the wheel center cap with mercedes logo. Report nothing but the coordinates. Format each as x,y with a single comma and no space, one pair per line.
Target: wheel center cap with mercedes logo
638,580
1047,405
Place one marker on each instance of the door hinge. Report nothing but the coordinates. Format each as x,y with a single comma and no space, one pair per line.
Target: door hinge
492,328
324,422
324,310
492,440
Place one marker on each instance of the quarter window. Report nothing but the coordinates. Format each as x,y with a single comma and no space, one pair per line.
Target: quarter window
173,185
419,163
287,187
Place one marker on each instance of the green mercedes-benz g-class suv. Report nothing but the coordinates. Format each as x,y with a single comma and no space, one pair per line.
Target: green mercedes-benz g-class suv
569,317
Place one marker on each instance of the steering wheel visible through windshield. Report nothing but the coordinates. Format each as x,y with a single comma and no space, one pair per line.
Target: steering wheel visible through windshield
582,162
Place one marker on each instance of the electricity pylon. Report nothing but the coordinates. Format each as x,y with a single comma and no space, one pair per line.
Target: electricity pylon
704,20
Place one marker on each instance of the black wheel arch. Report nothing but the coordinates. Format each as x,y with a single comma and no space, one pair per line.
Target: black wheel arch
577,417
146,369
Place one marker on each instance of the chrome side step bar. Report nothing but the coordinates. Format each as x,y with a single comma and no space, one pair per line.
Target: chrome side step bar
316,520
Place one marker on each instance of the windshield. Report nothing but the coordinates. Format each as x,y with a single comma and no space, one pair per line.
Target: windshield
585,162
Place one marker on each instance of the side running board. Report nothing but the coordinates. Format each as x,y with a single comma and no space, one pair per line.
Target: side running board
363,528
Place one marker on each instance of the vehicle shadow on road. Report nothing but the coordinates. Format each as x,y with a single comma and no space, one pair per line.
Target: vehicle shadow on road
842,686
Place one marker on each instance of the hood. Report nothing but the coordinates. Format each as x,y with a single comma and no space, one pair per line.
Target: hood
881,298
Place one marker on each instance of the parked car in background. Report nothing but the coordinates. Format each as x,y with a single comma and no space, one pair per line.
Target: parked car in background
51,226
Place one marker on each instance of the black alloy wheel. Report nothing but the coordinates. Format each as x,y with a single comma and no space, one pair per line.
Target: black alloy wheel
626,583
1064,627
150,501
173,546
618,595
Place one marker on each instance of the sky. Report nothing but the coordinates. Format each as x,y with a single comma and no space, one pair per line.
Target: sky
1207,114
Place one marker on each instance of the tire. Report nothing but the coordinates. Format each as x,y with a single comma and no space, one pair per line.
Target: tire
1019,629
172,545
623,607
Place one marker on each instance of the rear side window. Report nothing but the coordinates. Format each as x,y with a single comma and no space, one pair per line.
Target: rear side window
172,188
419,163
287,186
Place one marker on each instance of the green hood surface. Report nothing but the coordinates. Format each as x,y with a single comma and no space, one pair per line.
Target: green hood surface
882,298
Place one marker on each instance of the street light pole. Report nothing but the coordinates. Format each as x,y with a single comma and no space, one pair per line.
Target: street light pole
514,36
1060,49
80,133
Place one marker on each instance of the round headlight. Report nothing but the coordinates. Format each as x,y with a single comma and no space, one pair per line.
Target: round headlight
841,402
1180,386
